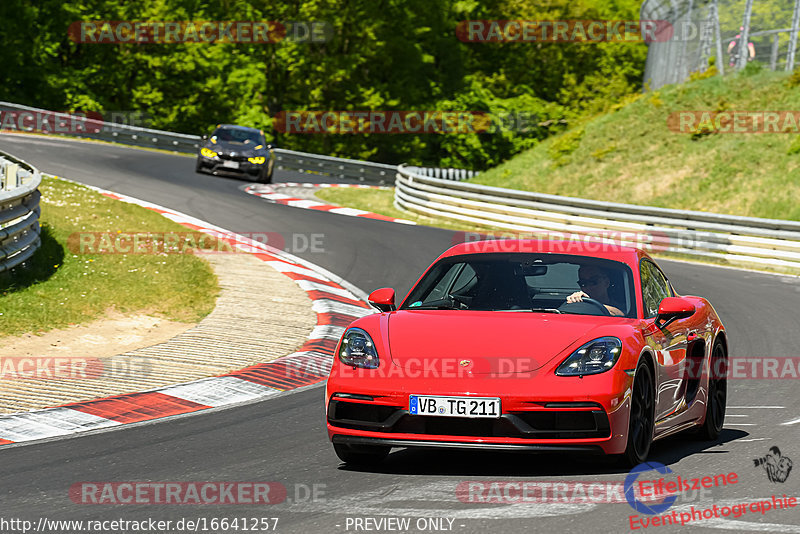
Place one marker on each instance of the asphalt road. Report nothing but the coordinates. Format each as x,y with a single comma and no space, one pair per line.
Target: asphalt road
283,439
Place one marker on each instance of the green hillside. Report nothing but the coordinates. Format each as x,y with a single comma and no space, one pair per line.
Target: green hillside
630,155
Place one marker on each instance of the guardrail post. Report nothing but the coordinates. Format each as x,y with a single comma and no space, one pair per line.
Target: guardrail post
12,176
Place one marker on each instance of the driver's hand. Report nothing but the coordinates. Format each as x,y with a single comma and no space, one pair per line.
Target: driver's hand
577,296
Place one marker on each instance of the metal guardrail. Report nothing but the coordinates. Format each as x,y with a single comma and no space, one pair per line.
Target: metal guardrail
19,211
53,122
352,169
748,239
445,174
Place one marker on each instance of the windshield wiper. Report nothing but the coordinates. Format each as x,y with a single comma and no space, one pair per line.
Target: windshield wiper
450,302
543,310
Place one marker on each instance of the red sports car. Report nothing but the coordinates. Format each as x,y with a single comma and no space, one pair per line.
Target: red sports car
533,346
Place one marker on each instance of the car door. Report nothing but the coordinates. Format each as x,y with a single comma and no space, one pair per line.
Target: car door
669,342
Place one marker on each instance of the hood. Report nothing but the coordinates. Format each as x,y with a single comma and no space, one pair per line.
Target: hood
482,342
234,147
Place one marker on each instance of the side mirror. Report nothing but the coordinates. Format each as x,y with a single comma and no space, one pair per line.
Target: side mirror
383,299
672,308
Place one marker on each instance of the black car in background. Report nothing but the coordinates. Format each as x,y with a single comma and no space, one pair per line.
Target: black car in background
239,150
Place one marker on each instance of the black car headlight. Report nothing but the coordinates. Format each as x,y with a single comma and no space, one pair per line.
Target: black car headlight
596,356
358,350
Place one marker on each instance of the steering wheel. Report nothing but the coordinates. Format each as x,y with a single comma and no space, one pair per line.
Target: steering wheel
456,302
592,304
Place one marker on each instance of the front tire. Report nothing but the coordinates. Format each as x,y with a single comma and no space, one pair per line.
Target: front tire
717,394
265,176
642,417
198,167
361,454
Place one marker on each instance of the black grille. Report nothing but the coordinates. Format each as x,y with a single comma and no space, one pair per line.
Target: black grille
232,158
539,424
370,413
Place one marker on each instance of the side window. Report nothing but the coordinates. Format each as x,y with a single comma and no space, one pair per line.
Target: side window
439,291
654,288
465,282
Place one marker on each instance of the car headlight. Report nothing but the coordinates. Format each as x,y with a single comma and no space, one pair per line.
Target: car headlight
358,350
596,356
257,160
208,153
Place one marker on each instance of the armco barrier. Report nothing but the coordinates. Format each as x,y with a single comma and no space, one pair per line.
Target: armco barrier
748,239
44,121
19,211
49,122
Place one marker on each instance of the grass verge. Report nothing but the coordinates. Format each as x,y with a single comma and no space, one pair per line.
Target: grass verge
630,155
61,287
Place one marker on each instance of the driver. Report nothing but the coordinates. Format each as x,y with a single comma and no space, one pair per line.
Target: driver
594,283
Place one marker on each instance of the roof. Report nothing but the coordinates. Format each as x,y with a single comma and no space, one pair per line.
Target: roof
237,127
610,248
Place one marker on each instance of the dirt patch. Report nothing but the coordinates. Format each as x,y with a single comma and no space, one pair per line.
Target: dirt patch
115,333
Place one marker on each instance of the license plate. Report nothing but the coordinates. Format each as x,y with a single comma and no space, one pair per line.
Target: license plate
231,164
487,407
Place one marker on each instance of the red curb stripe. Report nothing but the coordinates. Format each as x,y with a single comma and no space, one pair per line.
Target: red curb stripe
315,294
301,276
326,346
320,206
5,441
378,217
334,319
279,375
136,407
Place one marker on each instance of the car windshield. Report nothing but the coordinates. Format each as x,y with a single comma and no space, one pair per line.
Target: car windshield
235,135
526,282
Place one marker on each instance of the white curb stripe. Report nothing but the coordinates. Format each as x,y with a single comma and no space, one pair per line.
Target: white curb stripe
332,306
348,211
308,285
49,423
327,331
219,391
293,268
304,203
